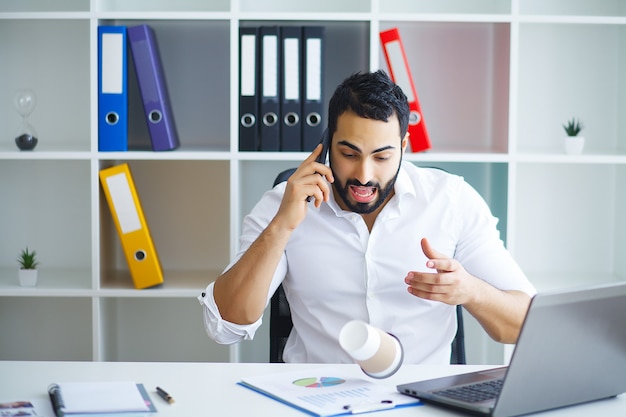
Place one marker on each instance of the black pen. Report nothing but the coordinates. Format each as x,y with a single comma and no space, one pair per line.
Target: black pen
163,394
369,406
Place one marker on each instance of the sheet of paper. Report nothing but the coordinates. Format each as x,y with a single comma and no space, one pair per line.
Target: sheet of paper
325,393
85,397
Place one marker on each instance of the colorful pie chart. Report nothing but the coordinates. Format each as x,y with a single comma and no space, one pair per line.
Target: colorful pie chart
313,382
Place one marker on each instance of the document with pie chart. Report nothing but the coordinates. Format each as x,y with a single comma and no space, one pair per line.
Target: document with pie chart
322,392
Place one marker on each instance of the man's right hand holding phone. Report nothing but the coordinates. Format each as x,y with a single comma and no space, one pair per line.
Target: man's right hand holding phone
311,180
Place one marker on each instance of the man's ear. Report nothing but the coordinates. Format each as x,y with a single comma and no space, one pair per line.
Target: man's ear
405,142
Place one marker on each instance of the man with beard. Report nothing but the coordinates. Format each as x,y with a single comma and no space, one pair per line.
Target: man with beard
380,240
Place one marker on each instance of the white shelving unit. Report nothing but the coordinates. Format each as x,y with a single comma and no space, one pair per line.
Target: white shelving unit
495,79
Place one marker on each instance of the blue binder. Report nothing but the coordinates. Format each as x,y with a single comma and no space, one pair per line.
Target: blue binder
112,89
154,93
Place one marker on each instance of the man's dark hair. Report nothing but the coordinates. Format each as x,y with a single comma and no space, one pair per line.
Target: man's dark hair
370,95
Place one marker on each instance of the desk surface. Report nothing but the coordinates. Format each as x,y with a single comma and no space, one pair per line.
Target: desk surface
211,388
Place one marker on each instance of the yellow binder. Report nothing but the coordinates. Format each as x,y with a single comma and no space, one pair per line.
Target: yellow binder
141,255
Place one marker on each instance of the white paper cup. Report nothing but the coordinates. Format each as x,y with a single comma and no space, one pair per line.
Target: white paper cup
379,354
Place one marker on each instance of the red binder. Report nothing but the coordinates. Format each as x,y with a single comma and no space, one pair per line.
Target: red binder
401,74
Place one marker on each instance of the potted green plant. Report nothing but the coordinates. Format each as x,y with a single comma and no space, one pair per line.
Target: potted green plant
28,267
574,143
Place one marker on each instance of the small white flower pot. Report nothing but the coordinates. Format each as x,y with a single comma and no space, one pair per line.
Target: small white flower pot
574,145
28,277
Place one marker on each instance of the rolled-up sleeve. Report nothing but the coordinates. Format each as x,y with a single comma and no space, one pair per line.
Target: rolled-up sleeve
220,330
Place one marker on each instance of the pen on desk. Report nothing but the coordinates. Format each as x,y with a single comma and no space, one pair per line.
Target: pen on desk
163,394
368,407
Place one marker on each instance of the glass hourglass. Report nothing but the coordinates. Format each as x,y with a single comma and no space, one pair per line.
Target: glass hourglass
25,102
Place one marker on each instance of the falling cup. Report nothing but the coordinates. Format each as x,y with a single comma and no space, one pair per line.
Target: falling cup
379,354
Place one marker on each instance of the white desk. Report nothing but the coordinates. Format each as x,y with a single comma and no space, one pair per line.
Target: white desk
203,389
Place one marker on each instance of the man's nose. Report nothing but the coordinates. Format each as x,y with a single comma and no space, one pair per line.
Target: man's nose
363,172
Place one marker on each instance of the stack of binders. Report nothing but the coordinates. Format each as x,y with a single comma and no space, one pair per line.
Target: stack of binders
281,88
113,88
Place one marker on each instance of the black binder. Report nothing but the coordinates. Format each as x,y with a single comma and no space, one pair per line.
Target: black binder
270,76
290,102
248,89
313,86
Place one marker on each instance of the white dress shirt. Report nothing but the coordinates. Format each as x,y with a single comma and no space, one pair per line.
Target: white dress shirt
334,270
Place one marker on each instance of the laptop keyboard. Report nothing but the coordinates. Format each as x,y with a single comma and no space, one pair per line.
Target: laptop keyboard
474,393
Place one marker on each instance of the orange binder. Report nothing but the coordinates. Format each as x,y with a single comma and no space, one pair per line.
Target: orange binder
401,75
130,222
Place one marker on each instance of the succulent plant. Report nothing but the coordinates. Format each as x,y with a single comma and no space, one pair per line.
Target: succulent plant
573,127
28,259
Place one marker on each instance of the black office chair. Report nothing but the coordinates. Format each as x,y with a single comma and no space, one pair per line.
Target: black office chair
281,324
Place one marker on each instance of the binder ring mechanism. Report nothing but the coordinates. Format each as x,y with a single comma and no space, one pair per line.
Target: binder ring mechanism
291,119
313,119
155,116
270,119
414,118
248,120
140,255
112,118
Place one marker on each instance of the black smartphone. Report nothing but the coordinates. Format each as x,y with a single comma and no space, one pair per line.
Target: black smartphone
325,141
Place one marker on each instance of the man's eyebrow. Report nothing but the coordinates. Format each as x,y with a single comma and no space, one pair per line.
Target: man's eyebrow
357,149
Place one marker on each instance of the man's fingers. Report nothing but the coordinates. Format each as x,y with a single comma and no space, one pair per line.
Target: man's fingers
313,155
429,251
425,279
437,260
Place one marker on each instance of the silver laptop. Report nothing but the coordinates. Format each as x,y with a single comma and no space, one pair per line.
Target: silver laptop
572,349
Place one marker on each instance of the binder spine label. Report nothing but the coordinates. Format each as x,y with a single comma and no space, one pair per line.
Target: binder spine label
123,202
248,65
314,69
270,58
400,74
112,54
292,69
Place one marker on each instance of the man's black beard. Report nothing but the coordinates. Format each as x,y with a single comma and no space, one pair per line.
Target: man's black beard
364,208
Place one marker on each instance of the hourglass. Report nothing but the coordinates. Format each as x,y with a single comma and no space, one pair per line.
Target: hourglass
25,102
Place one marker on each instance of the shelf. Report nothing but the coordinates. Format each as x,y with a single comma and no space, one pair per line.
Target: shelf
496,79
170,328
185,204
572,8
466,108
51,282
47,51
553,93
46,328
559,157
556,282
570,227
327,6
46,206
446,7
175,284
129,6
33,6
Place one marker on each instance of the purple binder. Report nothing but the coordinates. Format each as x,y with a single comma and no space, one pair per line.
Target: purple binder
151,80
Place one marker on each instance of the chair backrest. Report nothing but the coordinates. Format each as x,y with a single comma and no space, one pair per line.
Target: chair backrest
281,324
